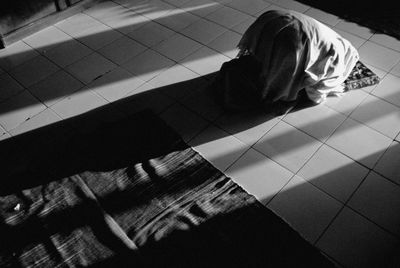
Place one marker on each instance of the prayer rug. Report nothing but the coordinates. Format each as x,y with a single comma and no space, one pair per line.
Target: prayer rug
133,194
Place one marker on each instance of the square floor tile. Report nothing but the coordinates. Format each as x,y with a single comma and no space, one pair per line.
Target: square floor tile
177,3
177,19
307,209
33,70
386,40
183,121
177,47
334,173
116,84
68,53
250,7
353,241
173,76
18,109
355,29
359,142
203,31
55,87
148,64
346,103
227,17
271,7
318,121
104,9
355,40
243,26
44,118
79,102
16,54
389,89
379,115
396,70
201,8
259,175
226,44
124,20
152,9
322,16
388,165
248,127
151,34
4,134
288,146
121,50
9,87
379,200
90,67
47,39
204,61
379,56
218,147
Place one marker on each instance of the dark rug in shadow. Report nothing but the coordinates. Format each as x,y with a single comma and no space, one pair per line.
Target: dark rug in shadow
132,193
380,16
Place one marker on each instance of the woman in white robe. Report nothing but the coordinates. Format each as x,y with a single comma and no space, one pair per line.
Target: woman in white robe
296,52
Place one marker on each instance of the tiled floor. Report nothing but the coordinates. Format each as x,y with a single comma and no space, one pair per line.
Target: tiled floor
332,171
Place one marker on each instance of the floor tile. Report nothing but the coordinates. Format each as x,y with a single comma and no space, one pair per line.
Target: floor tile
355,40
204,61
151,34
346,103
322,16
18,109
42,119
218,147
178,19
287,146
151,64
271,7
355,29
68,53
259,175
359,142
33,70
55,87
116,84
121,50
90,67
227,17
153,9
9,87
177,47
248,127
307,209
388,165
318,121
201,8
250,7
388,89
203,31
177,3
4,134
226,44
79,102
379,115
47,39
291,5
386,40
183,121
243,26
379,200
379,56
172,78
356,242
334,173
16,54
